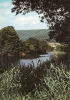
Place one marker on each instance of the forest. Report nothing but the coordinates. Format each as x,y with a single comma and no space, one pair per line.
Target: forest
11,44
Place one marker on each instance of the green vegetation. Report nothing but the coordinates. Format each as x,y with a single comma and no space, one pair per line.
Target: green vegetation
53,85
61,47
10,43
54,12
40,34
33,45
50,81
9,81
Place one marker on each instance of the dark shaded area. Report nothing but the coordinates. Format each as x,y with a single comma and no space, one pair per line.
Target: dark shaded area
6,63
62,60
31,77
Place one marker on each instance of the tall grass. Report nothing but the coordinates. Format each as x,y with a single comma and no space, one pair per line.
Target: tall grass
47,82
9,84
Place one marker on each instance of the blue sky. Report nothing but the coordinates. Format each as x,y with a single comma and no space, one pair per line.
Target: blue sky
20,22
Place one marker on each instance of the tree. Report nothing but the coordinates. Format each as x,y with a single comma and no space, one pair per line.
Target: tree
56,12
32,45
42,46
32,48
9,40
35,46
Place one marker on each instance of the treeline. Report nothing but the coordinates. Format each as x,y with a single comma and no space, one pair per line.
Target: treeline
33,45
11,44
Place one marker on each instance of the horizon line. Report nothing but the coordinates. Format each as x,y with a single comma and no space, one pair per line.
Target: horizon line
33,29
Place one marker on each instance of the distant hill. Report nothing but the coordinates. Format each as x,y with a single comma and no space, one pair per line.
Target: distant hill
41,34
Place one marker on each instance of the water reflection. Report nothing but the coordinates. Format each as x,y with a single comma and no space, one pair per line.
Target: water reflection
6,62
36,61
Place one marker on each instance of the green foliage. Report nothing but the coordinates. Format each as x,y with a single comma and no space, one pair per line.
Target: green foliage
42,46
9,84
10,43
31,48
9,40
61,47
49,48
33,45
53,85
55,12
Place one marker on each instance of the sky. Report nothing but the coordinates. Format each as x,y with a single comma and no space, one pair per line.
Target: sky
19,22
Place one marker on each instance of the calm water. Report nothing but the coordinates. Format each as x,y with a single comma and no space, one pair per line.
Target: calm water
5,62
36,61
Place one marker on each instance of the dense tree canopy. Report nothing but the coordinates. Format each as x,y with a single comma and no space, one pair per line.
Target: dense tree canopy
11,44
9,40
47,7
31,45
56,12
34,46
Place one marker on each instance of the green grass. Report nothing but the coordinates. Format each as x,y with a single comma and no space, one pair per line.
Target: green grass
55,85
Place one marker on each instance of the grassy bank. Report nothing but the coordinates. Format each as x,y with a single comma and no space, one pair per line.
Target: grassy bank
48,82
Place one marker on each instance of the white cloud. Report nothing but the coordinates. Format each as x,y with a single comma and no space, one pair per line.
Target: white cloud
5,12
23,20
28,21
34,23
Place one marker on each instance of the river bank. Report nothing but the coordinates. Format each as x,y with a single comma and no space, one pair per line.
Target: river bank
57,53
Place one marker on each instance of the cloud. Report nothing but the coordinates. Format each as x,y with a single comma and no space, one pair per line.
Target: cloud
28,21
5,12
36,22
23,20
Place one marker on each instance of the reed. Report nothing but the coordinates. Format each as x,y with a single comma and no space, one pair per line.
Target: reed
47,82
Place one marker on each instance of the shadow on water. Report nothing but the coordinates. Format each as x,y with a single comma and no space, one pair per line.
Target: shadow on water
29,60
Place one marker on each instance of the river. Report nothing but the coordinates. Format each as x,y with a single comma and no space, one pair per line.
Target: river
36,61
16,61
